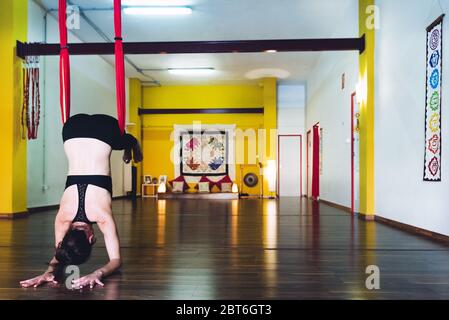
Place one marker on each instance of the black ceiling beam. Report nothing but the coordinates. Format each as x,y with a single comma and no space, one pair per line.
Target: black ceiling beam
286,45
143,111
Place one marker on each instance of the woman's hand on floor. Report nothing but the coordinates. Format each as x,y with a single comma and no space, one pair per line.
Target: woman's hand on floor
91,280
37,281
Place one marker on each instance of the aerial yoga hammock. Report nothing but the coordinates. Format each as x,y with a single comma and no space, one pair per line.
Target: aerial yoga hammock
64,64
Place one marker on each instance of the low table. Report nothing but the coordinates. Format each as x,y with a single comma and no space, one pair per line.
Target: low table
153,187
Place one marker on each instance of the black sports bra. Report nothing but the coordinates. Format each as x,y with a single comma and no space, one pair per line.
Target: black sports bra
97,126
81,215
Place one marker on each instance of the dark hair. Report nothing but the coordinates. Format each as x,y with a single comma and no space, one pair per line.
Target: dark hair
74,249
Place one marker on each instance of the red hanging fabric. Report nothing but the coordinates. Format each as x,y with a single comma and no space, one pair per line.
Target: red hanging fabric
26,96
64,63
31,98
119,66
316,163
37,112
33,106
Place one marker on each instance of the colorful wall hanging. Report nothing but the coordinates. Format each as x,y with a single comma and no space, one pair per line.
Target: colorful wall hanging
204,153
434,58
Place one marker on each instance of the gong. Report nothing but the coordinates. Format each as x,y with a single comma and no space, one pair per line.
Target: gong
250,180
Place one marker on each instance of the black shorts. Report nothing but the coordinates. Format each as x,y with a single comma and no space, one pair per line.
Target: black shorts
104,182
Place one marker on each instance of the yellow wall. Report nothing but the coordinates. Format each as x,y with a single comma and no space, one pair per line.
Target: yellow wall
270,124
135,127
13,26
366,79
218,96
157,129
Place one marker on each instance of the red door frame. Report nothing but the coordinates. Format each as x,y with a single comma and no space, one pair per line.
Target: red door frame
279,160
352,151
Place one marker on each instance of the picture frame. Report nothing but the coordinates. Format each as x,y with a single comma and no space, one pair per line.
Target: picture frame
194,145
147,179
162,179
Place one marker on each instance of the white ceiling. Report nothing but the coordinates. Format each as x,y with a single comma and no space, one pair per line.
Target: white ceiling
227,20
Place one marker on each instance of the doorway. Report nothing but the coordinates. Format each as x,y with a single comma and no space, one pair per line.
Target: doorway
313,162
290,165
308,164
355,155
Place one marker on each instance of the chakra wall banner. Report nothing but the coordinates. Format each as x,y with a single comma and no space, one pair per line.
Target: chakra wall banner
204,153
434,59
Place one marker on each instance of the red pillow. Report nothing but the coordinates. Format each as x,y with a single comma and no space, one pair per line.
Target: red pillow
179,179
206,179
225,179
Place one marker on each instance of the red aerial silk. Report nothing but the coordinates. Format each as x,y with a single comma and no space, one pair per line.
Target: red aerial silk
316,163
64,63
119,66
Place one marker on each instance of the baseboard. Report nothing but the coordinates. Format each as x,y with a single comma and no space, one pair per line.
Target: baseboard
15,215
123,197
395,224
348,210
366,217
43,208
411,229
335,205
56,206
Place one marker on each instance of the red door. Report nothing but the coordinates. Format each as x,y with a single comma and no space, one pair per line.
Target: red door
316,162
308,164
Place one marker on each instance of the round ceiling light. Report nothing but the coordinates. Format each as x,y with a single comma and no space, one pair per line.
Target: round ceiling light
267,73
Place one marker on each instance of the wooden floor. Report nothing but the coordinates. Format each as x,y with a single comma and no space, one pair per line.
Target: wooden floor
235,249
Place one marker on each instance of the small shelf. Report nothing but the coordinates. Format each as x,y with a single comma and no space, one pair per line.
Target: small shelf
149,186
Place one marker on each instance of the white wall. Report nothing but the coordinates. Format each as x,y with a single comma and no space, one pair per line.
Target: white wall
329,105
35,195
93,91
291,118
401,194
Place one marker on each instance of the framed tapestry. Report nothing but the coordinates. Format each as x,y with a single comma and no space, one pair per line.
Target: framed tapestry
204,153
434,58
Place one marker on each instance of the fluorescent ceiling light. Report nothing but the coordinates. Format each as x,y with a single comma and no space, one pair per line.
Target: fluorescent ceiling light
158,10
162,3
191,71
267,73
